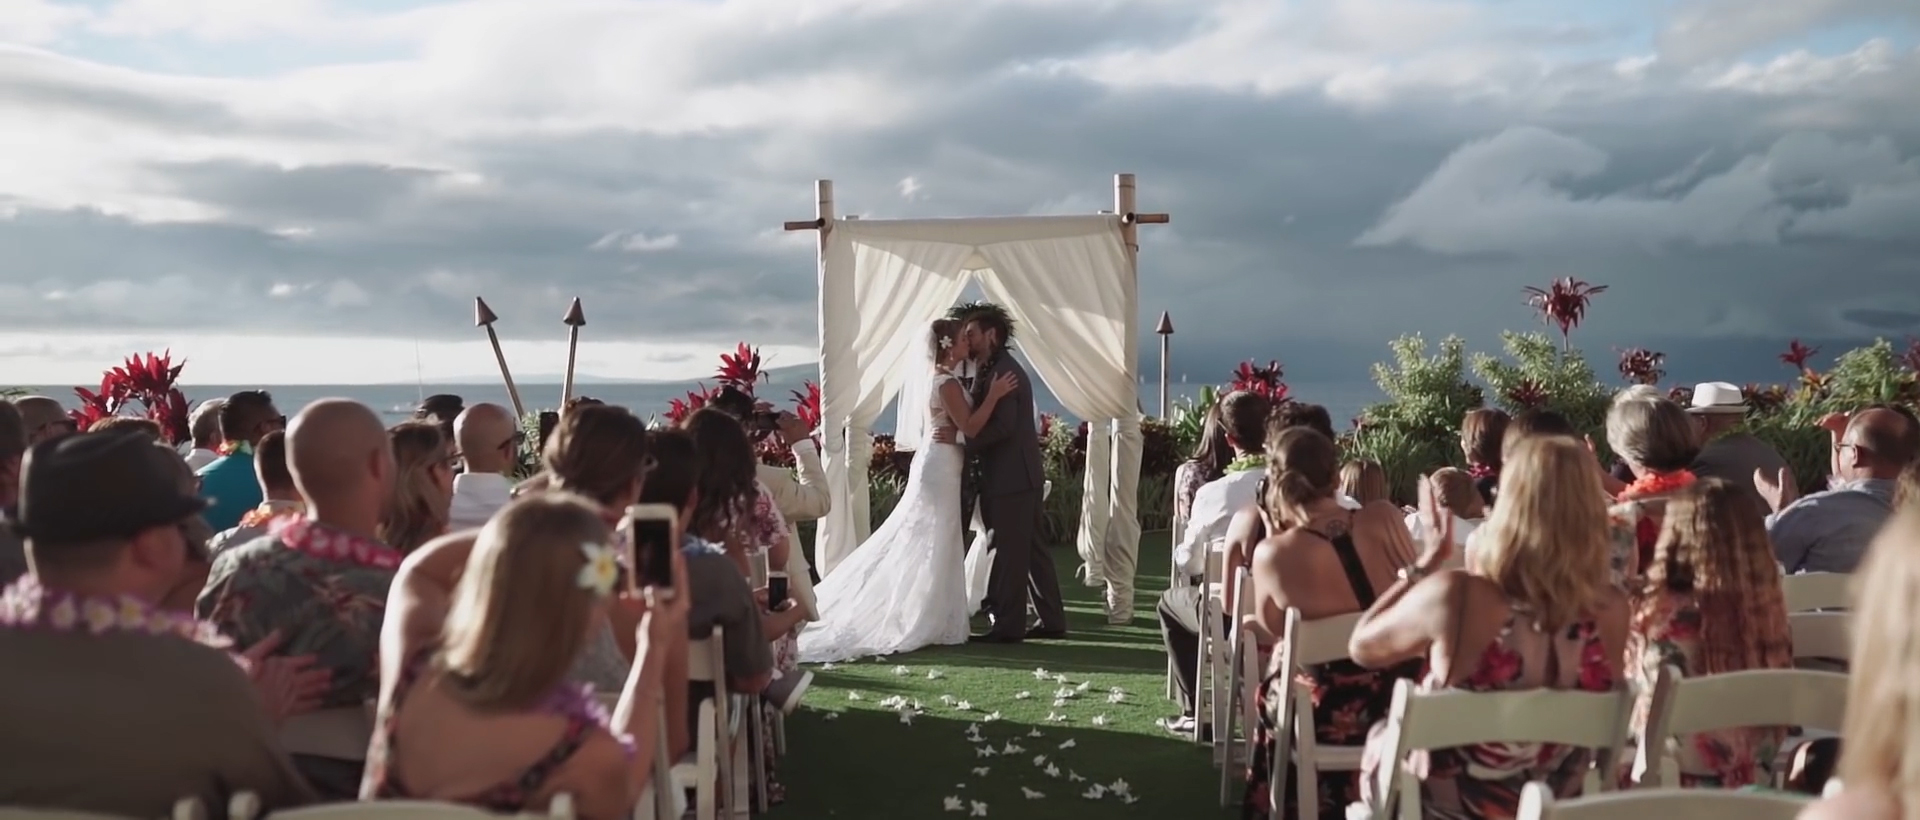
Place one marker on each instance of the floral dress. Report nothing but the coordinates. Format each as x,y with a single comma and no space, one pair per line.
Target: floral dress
1483,781
1188,478
1727,759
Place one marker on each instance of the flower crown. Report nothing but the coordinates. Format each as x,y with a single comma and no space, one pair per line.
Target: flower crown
601,571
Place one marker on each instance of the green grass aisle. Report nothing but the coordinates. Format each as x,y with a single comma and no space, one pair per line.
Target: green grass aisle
854,758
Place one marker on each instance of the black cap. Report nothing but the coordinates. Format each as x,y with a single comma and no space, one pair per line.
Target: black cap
97,486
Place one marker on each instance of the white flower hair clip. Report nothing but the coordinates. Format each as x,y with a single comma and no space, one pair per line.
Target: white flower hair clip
601,571
946,342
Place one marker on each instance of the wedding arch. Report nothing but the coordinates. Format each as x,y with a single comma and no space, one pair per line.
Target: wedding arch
1071,284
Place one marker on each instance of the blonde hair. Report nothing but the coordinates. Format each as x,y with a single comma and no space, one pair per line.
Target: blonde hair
1364,481
417,510
519,616
1882,730
1546,542
1714,549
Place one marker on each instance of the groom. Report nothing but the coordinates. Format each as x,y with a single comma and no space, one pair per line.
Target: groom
1010,487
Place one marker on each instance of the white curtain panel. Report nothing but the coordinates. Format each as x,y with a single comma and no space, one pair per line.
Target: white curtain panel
877,296
1076,300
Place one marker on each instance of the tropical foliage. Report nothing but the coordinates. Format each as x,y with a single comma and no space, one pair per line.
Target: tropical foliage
147,379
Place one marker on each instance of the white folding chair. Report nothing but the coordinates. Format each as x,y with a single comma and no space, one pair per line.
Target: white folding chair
562,808
1296,745
711,773
1210,662
1236,705
1809,591
1449,718
1685,706
1821,635
186,808
1537,803
1174,580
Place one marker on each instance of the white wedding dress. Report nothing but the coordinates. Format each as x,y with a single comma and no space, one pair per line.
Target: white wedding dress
903,588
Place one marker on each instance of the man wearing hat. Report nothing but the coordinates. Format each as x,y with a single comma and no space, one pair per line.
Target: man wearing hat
113,704
1729,452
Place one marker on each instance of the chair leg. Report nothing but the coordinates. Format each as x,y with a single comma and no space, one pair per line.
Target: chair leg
706,754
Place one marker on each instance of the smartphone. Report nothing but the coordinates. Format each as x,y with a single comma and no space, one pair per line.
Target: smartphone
764,422
651,534
777,590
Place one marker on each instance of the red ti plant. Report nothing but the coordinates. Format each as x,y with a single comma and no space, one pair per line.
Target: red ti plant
1764,399
679,409
1798,355
146,378
1527,394
1266,381
1642,366
806,405
1564,304
741,368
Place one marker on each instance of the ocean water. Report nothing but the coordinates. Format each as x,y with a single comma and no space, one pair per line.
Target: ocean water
396,401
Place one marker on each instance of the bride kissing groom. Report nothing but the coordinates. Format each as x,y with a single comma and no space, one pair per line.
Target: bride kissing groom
905,587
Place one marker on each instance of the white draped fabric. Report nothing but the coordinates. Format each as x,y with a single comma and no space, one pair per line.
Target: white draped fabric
1069,283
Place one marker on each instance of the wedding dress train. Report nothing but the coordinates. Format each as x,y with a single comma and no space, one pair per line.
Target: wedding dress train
904,587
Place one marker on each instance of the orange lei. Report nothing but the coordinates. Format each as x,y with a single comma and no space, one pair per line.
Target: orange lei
1656,484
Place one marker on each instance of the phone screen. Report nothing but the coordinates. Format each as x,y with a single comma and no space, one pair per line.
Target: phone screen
777,590
653,543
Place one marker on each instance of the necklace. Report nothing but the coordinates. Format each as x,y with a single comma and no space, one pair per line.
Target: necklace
268,511
1656,484
1249,461
302,534
27,604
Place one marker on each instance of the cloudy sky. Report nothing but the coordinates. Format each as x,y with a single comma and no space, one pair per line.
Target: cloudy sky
310,190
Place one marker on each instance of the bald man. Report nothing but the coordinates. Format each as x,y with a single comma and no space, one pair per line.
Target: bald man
43,418
489,438
1829,531
321,580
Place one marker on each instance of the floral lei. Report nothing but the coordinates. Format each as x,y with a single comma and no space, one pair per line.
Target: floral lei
302,534
27,604
582,702
1250,461
269,511
236,447
1653,485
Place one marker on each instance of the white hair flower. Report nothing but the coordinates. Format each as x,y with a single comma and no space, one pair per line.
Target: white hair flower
601,571
946,342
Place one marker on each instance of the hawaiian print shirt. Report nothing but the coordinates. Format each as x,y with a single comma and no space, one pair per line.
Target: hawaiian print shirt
323,588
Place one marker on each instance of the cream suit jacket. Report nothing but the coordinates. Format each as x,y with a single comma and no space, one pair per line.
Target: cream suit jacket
799,500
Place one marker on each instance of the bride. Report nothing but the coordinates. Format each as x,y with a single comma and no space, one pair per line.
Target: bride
903,588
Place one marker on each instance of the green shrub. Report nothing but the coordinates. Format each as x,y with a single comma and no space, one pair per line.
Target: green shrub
1539,374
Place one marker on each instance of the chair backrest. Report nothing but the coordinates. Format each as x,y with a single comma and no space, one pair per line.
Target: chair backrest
1537,803
1758,697
758,569
1216,562
1821,635
706,658
1317,641
1817,590
562,809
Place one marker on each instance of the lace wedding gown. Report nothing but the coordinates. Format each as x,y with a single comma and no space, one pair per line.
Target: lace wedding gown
902,589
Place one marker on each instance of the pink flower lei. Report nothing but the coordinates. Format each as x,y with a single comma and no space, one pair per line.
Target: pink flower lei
27,604
302,534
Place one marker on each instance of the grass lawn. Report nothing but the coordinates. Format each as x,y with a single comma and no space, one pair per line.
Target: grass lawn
853,758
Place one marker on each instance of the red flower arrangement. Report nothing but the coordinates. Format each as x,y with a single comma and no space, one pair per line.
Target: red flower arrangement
1642,366
1266,381
1528,393
1798,355
1564,304
145,378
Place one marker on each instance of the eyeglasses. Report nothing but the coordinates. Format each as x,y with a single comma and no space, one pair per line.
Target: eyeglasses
514,441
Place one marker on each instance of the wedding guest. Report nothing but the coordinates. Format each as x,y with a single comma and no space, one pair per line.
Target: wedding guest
1535,423
1460,495
1657,440
1877,772
1481,433
1728,451
1711,604
798,499
442,409
1364,481
489,438
422,486
204,425
44,418
119,686
1244,415
146,427
1208,463
1326,560
482,711
228,482
1828,531
194,532
320,579
281,497
13,445
1540,611
1290,414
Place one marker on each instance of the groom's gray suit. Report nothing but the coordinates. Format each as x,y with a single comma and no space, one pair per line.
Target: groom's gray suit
1012,480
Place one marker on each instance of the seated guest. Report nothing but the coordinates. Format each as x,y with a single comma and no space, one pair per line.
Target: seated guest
276,486
1244,415
801,498
1325,560
422,486
1539,612
1535,423
1208,463
102,682
489,438
44,418
440,409
146,427
320,579
1828,531
482,712
1364,481
1711,603
194,532
13,445
1657,441
1727,450
228,482
1481,432
1460,495
204,425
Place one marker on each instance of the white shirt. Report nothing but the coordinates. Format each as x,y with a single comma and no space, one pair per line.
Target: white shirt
1462,528
200,458
476,497
1213,509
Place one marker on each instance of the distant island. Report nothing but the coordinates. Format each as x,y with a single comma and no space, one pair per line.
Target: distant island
790,377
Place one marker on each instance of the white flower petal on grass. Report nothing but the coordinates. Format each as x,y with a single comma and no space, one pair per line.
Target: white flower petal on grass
1033,733
1012,748
946,699
979,809
1068,744
1041,673
1057,702
829,666
830,716
1059,678
1129,799
1117,697
991,717
1056,717
1031,794
983,751
1116,691
1039,761
1023,695
1052,770
1095,793
981,771
1084,686
1099,720
1074,777
906,718
954,803
964,706
855,696
1120,787
1065,692
935,674
901,671
918,706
